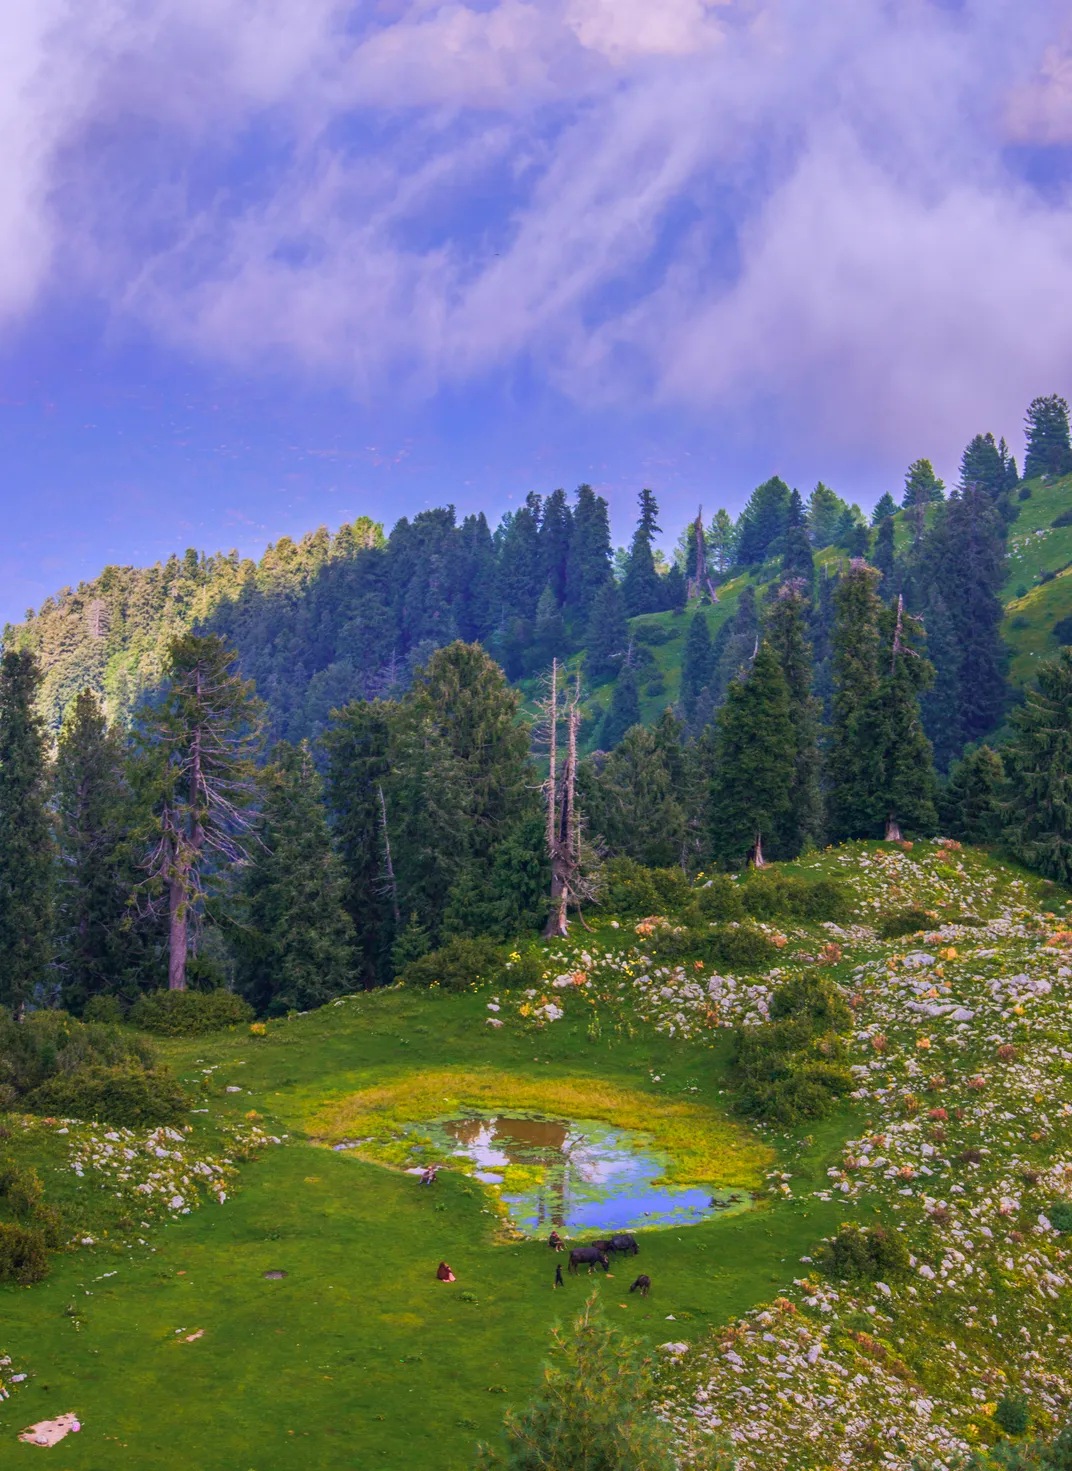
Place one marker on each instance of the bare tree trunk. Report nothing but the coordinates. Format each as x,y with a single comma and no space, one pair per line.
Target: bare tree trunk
178,927
557,924
893,830
392,883
758,861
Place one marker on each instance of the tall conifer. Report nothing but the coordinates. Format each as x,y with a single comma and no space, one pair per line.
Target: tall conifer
25,839
697,663
607,636
1038,813
854,769
589,558
754,755
905,794
624,710
642,586
787,635
1049,451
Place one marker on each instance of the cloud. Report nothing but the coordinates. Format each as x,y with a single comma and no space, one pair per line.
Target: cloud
708,206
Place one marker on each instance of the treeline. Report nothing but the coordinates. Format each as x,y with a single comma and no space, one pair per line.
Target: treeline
328,619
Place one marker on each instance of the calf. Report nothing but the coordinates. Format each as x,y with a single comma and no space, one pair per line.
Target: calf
641,1285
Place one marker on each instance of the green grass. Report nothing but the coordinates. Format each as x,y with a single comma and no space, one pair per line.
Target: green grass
359,1357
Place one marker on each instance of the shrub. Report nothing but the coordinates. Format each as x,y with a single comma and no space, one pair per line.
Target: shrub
1011,1413
768,895
719,899
104,1009
1062,630
740,945
630,888
24,1194
876,1253
49,1042
1064,519
652,634
23,1256
124,1094
457,964
813,1000
189,1013
902,922
795,1067
1060,1215
527,971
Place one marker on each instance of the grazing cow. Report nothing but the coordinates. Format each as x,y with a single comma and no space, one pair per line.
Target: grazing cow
624,1242
641,1285
588,1256
554,1241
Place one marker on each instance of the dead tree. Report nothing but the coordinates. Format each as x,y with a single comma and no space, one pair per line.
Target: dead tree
391,884
699,582
563,819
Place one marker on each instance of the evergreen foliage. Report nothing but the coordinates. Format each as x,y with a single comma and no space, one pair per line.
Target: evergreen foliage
751,790
1038,813
698,662
624,710
607,638
825,513
1049,451
642,587
764,520
988,466
922,486
25,840
884,506
632,798
906,790
589,557
882,557
970,803
854,770
786,630
295,947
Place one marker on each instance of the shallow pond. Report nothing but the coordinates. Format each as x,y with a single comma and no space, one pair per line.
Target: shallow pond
576,1175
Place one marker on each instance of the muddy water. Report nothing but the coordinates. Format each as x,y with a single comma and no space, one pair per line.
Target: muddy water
577,1175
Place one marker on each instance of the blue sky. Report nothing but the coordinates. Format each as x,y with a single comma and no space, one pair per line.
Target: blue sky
271,263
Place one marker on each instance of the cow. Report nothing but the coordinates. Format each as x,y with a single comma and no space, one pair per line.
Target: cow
588,1256
622,1241
641,1285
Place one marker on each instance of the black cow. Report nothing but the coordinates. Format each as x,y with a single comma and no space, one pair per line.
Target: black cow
641,1285
588,1256
624,1242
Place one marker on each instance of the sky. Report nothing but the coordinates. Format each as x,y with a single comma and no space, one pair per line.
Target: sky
267,264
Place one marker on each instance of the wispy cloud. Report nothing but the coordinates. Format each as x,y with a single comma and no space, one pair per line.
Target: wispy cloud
706,205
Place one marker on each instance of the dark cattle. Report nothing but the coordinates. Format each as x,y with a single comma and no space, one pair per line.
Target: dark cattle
622,1241
602,1245
641,1285
588,1256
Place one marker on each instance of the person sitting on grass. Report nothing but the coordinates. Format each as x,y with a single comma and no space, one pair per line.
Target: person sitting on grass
444,1273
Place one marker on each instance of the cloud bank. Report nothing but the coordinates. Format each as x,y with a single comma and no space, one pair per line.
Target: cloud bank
854,215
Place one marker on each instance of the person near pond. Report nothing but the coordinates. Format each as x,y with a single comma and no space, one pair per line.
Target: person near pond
443,1273
554,1241
558,1276
428,1174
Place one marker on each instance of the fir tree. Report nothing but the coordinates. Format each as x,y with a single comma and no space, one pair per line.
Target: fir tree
882,558
906,790
520,565
922,486
25,840
589,558
940,704
787,634
94,916
642,586
825,510
987,466
763,521
798,564
1048,449
697,662
675,590
720,539
754,757
884,506
549,631
297,952
200,741
607,638
632,804
736,643
624,710
556,525
1038,813
971,799
854,764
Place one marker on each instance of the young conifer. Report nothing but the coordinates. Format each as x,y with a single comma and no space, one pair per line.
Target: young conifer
26,852
751,792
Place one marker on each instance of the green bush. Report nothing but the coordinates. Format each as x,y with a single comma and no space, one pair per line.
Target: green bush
903,922
528,971
1011,1413
795,1066
742,946
49,1042
718,899
632,889
876,1253
125,1094
23,1193
23,1255
1060,1215
103,1009
456,965
189,1013
771,895
814,1000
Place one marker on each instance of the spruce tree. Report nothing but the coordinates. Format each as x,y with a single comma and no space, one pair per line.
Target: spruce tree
854,763
556,526
751,792
798,564
632,803
735,643
922,486
26,853
607,637
763,521
642,586
1038,812
882,557
95,919
697,663
905,793
296,951
521,576
549,632
786,631
589,557
940,705
884,506
624,710
675,590
1049,451
970,803
199,741
825,510
983,464
720,539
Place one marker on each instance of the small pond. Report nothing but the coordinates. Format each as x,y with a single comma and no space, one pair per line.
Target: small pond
576,1175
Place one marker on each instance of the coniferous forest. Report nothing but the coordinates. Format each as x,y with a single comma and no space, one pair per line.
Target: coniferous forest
302,776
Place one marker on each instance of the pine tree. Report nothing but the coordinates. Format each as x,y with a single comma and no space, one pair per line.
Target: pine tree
521,575
825,510
922,486
1038,812
882,558
720,538
697,663
906,791
798,564
607,638
970,804
632,804
854,764
624,710
984,465
940,705
25,840
297,951
754,756
763,521
884,506
1048,449
675,590
786,631
549,631
735,643
95,933
589,558
200,741
556,526
642,586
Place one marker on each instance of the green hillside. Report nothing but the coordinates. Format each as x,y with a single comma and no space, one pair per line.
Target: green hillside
157,1325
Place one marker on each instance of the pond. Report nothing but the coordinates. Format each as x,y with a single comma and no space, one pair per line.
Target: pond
576,1175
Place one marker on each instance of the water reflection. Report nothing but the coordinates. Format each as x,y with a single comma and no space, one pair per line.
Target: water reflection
576,1176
